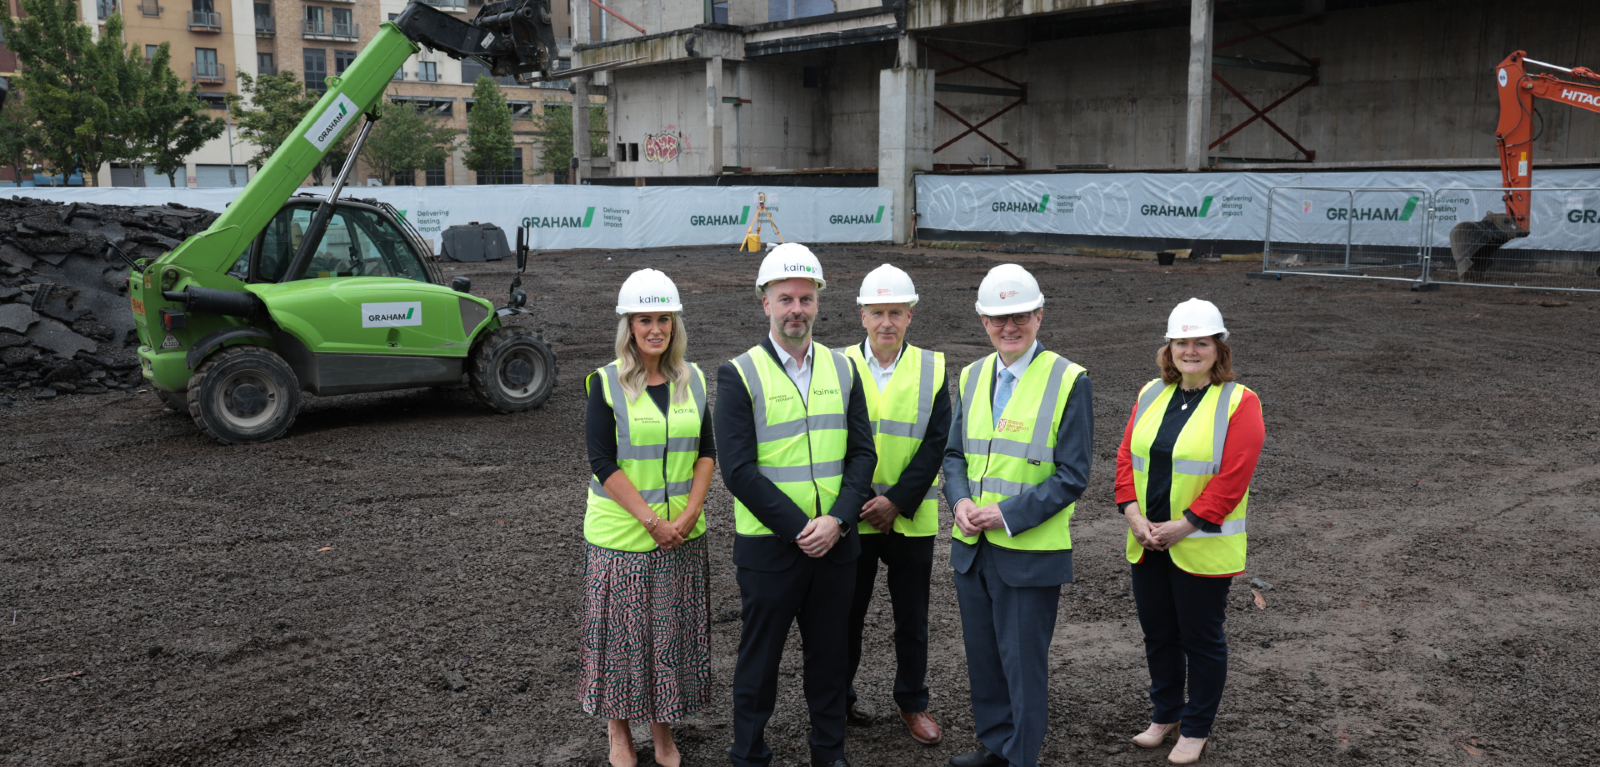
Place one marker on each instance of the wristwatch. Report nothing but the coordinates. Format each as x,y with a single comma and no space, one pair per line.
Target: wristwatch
844,527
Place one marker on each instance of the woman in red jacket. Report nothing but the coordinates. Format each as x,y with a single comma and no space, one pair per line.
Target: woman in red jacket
1183,482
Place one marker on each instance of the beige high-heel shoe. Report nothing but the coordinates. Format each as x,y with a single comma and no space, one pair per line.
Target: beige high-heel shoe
1188,757
1153,737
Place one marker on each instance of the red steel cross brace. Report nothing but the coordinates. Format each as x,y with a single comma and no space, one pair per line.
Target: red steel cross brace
971,128
1258,113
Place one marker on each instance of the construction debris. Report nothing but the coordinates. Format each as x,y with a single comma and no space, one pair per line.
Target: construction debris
65,324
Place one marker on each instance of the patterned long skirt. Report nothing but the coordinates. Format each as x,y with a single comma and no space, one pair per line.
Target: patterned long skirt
646,633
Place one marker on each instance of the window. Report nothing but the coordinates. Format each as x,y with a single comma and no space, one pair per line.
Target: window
357,243
470,69
719,12
404,178
213,100
342,61
427,71
106,7
265,65
341,22
205,63
150,51
399,74
633,153
316,69
511,175
780,10
263,10
314,25
394,16
434,176
202,6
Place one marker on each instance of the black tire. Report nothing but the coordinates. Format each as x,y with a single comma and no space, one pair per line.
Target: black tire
243,395
176,401
512,370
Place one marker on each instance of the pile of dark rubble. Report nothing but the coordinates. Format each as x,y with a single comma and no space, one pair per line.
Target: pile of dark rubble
65,322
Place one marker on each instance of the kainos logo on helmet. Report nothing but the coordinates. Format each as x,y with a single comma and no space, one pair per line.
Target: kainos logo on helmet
1179,211
1042,206
870,218
654,300
799,268
396,314
560,222
729,220
1375,214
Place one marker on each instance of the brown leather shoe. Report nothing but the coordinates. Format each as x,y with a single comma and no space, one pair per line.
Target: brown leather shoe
922,727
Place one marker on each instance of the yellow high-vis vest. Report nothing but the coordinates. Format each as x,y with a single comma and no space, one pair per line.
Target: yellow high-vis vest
900,415
1196,458
656,451
800,444
1006,459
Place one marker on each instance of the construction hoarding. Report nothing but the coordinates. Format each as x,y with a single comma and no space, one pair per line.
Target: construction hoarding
1369,207
562,217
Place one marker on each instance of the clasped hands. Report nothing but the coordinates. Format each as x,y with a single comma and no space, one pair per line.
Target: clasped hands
974,519
670,534
819,535
1158,536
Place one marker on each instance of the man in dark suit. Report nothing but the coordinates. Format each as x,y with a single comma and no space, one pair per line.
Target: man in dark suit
1017,461
797,454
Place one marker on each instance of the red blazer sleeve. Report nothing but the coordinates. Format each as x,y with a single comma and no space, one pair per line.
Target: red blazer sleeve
1239,456
1126,492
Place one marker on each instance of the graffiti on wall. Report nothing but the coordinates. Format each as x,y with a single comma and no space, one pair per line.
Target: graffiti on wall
664,146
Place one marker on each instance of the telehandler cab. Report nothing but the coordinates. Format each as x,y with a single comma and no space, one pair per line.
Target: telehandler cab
336,295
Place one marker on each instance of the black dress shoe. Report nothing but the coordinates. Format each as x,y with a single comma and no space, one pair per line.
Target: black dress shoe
983,757
840,762
860,713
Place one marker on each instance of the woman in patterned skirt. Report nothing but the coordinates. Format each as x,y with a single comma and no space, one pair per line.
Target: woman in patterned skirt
646,627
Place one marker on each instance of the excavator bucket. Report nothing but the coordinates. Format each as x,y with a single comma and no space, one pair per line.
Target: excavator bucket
1473,244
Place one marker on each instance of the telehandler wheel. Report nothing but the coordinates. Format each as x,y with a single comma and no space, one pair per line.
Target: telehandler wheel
512,370
177,401
244,394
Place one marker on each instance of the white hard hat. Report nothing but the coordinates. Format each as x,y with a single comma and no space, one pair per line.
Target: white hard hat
887,285
1195,318
788,260
648,290
1008,289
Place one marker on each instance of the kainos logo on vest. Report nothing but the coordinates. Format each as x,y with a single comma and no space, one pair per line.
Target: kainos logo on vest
560,222
870,218
1179,211
825,392
739,219
397,314
1375,214
1042,206
1007,425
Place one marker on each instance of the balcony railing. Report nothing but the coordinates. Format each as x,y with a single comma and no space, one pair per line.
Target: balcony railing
268,71
448,5
205,21
150,8
266,26
209,72
321,30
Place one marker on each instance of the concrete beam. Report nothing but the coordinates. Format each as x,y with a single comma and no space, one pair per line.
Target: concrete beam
1200,58
714,116
905,137
580,128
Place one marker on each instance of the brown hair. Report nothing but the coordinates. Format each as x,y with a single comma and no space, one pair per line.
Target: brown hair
1221,372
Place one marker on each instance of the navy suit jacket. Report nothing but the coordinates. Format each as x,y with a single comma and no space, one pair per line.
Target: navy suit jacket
1073,456
734,420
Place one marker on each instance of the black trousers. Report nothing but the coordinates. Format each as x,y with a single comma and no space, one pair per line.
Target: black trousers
1182,616
817,593
910,563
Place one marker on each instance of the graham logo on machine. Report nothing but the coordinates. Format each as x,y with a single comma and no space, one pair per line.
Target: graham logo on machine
332,122
396,314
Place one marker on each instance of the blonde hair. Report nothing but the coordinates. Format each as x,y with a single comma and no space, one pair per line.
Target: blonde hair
630,364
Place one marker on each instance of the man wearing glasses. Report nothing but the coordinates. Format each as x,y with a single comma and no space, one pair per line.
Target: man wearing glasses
1016,462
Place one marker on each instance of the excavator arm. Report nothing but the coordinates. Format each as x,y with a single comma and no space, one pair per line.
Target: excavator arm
1474,242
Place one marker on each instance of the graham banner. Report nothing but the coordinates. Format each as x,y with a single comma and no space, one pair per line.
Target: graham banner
1367,207
565,217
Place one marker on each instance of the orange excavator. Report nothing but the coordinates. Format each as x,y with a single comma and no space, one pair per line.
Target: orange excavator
1474,242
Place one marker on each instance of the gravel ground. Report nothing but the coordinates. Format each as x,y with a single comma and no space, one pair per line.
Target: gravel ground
396,580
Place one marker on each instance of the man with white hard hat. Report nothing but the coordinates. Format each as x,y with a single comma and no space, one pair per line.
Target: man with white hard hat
908,403
797,452
1017,461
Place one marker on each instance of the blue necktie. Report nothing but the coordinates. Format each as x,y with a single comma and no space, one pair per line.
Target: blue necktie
1008,383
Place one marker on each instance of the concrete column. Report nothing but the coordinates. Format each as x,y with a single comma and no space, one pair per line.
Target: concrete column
580,127
905,133
714,116
1199,130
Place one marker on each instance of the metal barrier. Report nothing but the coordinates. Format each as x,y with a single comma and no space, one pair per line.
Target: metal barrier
1347,232
1559,250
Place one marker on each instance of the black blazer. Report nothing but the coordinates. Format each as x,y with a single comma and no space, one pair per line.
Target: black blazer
734,418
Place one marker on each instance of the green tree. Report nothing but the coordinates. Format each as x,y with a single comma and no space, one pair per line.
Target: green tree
277,103
488,128
18,134
554,131
80,89
175,119
405,141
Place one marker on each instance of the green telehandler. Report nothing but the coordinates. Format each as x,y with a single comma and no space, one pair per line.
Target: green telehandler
284,293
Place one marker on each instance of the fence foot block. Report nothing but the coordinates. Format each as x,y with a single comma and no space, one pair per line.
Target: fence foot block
1424,287
1263,275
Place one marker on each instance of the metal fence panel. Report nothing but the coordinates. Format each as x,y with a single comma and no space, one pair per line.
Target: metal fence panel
1559,250
1377,232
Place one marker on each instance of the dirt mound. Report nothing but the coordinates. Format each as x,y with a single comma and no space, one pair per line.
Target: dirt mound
65,326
